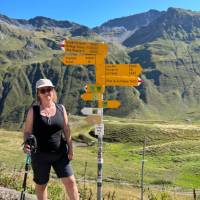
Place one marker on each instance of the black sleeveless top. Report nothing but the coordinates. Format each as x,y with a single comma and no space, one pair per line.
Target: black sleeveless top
48,130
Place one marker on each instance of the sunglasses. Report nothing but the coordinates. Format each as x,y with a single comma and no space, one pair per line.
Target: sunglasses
44,90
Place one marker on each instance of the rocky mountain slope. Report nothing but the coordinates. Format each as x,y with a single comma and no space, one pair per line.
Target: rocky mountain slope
121,28
166,44
168,50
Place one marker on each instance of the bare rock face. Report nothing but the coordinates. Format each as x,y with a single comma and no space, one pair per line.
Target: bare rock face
10,194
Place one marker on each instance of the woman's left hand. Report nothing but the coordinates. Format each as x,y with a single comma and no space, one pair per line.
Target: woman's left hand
70,155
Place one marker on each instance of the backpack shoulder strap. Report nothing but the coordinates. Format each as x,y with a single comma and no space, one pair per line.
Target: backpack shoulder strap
60,107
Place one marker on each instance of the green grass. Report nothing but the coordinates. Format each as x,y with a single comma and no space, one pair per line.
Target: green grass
172,152
10,43
11,149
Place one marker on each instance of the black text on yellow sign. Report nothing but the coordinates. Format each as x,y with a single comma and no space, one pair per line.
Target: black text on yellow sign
109,104
84,47
123,69
121,81
79,60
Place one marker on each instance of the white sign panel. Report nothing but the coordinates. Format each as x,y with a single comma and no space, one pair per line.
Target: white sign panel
99,129
91,111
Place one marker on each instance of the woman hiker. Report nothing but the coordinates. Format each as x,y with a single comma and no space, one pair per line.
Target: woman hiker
47,121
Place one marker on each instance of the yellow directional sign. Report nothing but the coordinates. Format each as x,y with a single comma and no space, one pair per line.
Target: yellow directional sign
93,119
79,60
109,104
91,96
84,47
94,88
122,81
123,69
100,70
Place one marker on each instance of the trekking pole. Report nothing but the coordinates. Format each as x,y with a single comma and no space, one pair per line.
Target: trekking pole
27,168
31,141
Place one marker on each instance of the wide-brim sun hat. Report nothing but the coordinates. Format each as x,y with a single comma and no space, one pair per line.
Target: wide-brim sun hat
44,83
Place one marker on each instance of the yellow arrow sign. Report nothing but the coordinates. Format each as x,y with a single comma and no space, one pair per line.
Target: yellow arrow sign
109,104
122,81
79,60
94,88
84,47
91,96
123,69
93,119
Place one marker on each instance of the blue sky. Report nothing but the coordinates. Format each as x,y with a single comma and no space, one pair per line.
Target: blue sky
88,12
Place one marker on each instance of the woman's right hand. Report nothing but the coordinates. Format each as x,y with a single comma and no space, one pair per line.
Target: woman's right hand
27,149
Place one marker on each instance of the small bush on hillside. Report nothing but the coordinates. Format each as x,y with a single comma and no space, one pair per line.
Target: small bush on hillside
162,182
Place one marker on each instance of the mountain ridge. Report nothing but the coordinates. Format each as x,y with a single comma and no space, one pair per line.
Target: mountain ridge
142,18
167,49
39,21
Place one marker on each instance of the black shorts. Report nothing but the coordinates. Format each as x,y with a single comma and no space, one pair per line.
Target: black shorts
42,162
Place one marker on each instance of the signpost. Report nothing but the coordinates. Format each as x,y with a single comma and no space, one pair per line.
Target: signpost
122,70
108,104
91,111
122,81
91,96
100,70
99,129
85,47
95,88
79,60
94,53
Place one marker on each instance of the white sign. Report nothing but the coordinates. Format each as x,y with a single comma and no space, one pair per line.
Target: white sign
91,111
99,129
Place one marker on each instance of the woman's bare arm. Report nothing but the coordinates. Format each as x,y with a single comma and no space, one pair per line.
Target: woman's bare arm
68,136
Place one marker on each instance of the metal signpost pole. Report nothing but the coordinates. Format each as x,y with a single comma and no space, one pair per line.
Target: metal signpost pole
100,132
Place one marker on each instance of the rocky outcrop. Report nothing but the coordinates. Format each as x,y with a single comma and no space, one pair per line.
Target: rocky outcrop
10,194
